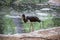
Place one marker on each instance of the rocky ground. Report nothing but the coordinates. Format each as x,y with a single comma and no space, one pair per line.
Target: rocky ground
43,34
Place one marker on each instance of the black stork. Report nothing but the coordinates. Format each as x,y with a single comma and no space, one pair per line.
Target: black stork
31,19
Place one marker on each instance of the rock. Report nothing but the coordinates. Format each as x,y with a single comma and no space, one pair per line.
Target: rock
44,34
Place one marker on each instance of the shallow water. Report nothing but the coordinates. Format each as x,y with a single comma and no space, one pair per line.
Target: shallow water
13,23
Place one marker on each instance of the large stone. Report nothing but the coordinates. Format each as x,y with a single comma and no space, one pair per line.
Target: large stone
54,2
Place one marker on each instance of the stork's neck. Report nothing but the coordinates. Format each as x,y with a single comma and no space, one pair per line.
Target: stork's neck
24,17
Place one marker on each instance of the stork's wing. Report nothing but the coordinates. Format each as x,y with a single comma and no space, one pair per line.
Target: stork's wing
32,17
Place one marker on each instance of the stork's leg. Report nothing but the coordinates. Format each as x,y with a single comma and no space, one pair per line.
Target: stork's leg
31,27
40,25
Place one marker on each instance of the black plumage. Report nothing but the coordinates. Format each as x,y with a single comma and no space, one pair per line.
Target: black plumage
30,18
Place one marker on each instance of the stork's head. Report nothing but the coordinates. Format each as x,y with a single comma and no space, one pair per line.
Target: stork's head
24,18
23,15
